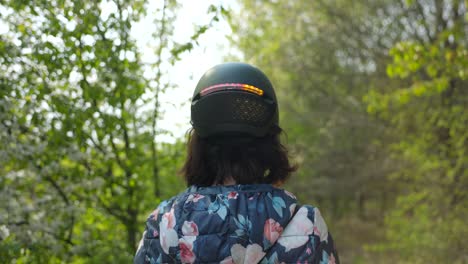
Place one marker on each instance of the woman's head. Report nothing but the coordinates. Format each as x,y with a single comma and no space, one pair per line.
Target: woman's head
234,99
236,135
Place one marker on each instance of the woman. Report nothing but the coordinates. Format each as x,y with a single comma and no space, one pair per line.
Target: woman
233,210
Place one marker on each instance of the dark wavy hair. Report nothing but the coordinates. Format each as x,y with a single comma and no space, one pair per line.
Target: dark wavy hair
244,160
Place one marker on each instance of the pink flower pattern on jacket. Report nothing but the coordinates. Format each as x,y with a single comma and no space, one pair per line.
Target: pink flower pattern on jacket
252,254
195,197
167,233
233,195
186,251
190,232
236,224
272,230
320,227
298,230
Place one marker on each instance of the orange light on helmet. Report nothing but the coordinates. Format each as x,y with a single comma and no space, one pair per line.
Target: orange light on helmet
252,89
231,86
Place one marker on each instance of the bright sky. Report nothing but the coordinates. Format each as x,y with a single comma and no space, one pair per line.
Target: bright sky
213,47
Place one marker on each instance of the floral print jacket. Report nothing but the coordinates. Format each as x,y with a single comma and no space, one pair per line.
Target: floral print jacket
255,223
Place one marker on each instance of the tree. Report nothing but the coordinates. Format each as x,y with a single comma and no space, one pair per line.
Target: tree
429,114
79,118
316,54
324,58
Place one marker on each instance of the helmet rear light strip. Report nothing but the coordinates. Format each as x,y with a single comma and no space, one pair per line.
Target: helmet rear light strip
231,86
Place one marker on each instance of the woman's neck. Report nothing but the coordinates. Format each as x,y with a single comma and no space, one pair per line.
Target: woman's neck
229,181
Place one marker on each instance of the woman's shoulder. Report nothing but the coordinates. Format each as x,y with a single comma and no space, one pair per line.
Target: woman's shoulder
195,193
208,194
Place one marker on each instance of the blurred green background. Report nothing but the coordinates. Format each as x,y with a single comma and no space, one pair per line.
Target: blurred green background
373,98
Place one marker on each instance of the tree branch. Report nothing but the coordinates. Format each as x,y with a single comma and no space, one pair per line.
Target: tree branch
154,156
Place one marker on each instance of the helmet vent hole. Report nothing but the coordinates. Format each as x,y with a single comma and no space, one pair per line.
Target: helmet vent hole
246,109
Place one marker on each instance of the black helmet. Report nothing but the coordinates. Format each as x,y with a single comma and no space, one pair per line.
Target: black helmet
234,99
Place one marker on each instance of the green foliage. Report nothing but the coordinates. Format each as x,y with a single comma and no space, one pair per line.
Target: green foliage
372,97
321,68
431,119
80,164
